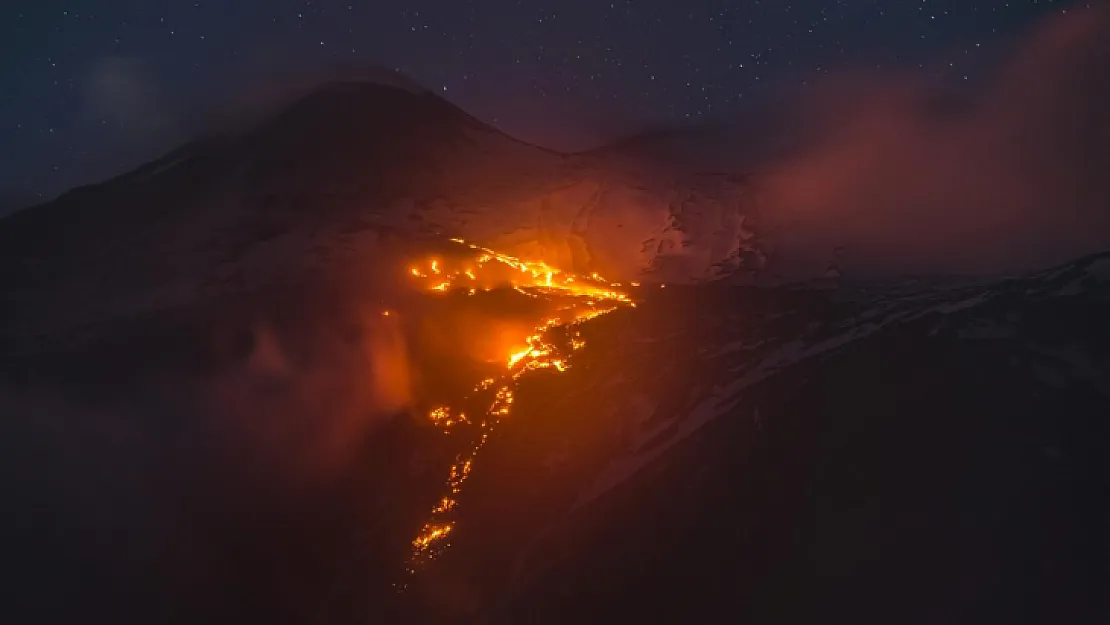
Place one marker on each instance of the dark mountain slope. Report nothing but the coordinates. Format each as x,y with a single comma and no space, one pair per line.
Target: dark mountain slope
942,460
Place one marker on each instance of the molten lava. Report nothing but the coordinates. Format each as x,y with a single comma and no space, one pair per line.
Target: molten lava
549,345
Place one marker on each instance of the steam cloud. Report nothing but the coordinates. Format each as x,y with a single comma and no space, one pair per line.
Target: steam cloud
909,178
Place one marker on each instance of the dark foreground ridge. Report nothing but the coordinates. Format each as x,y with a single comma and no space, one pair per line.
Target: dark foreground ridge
755,455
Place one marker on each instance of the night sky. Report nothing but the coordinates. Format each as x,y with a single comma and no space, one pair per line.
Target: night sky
91,88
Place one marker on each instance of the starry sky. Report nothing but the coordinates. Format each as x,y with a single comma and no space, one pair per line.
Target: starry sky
92,88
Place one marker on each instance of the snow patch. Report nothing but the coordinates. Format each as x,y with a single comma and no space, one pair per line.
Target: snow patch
962,304
161,168
1072,288
734,346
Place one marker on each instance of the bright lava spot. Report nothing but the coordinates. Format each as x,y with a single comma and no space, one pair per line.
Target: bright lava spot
444,419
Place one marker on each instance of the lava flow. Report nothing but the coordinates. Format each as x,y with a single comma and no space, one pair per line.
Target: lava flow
549,346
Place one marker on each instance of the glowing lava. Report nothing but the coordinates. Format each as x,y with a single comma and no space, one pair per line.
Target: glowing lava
489,269
549,346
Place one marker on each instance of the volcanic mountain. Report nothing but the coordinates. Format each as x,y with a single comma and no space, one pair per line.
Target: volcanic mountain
371,360
346,162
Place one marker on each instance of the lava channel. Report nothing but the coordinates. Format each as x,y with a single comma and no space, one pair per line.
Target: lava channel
549,345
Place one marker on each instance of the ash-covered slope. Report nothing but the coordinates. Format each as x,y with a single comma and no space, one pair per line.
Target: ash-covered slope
311,190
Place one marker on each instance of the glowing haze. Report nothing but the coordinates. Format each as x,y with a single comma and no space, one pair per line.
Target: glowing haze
911,177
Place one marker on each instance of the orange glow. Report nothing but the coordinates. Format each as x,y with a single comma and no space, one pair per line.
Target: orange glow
540,348
430,535
532,277
388,356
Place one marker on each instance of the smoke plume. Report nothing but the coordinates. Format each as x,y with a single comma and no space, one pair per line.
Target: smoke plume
911,177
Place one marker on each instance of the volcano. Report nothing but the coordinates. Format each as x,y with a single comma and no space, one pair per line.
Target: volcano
250,207
373,360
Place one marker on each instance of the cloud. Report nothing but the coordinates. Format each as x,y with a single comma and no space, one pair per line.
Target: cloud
910,176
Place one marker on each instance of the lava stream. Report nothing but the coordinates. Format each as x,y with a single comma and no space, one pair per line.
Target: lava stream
549,346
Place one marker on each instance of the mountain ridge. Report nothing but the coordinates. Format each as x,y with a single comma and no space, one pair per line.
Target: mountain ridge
362,157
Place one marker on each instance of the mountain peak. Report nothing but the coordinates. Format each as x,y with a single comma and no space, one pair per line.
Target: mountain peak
371,111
